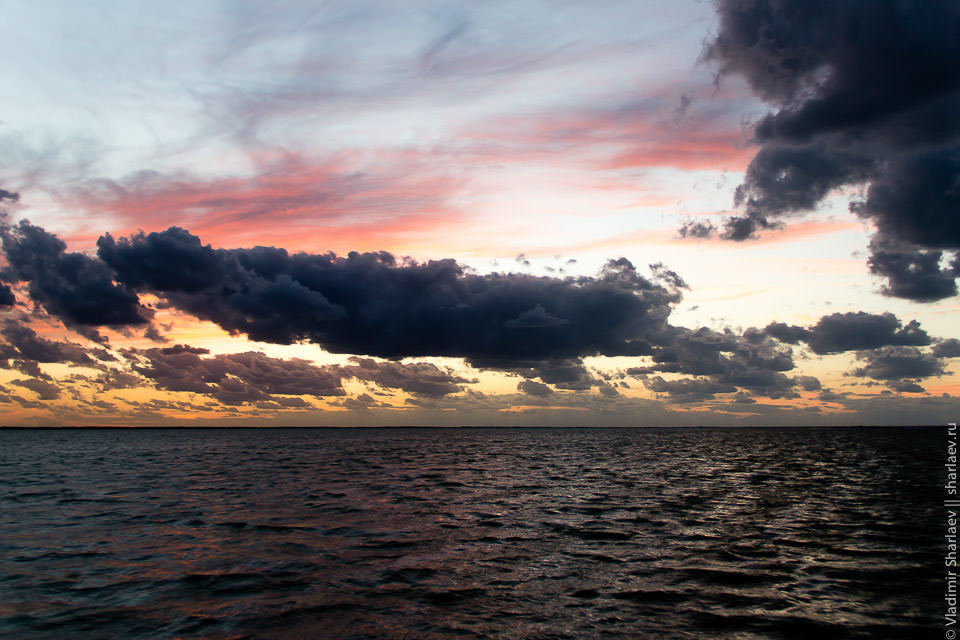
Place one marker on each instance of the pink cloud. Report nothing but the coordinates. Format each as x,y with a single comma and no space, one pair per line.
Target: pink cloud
291,201
613,139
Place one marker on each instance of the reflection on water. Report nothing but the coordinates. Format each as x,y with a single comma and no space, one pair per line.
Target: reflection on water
514,533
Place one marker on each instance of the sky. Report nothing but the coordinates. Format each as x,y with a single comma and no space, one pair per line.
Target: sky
744,212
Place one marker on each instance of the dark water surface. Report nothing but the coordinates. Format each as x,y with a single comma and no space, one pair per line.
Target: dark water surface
471,533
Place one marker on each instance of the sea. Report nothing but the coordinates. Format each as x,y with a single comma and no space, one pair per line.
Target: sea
747,533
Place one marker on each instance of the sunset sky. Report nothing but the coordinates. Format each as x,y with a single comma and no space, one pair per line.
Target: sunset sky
501,213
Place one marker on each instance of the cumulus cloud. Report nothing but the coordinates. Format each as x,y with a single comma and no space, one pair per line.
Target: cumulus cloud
568,374
947,348
374,304
77,289
688,390
853,331
420,378
750,361
865,93
253,377
808,383
888,348
912,273
237,377
28,345
534,388
896,363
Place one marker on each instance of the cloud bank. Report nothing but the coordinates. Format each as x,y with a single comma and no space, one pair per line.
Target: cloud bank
866,95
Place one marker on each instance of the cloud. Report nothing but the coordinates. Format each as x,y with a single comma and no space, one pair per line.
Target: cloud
362,402
750,361
688,390
828,395
252,377
912,273
895,363
30,346
534,388
29,367
235,378
947,348
906,386
7,299
180,368
866,93
286,197
419,378
77,289
570,374
787,333
853,331
112,379
374,304
46,390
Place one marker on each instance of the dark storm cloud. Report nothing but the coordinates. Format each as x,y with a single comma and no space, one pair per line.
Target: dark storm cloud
912,273
840,332
751,361
539,328
785,180
886,346
917,198
895,363
7,298
947,348
373,304
867,94
74,287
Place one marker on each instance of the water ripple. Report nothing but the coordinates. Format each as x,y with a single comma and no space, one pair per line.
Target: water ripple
447,533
